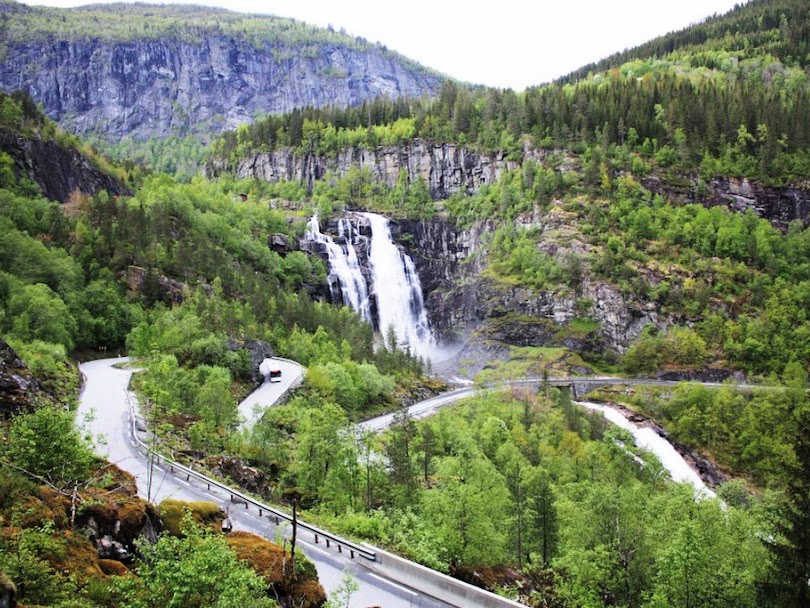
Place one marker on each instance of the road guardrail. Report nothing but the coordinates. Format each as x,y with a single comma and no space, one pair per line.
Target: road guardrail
238,497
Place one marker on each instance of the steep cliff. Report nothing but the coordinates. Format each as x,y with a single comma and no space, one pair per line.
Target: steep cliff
449,168
446,168
779,205
58,170
154,71
460,297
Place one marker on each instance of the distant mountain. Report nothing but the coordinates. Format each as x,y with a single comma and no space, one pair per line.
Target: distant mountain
147,70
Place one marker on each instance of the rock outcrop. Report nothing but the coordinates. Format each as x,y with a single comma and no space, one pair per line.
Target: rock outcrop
258,351
8,592
779,205
58,170
202,80
445,168
18,387
450,262
448,169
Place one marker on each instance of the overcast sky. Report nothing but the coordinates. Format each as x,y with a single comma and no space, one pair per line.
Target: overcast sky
501,43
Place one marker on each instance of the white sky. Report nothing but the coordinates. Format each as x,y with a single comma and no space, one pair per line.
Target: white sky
501,43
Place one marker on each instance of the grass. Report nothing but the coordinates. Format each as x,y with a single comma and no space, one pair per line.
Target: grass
584,326
532,361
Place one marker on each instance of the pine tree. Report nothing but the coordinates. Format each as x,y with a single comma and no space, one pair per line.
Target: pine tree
793,555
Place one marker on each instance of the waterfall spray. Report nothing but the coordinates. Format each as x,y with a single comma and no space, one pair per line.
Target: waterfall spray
398,291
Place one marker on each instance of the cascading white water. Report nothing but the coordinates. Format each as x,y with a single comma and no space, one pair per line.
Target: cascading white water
398,291
345,275
648,439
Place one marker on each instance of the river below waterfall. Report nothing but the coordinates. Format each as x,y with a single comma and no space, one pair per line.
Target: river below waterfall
650,440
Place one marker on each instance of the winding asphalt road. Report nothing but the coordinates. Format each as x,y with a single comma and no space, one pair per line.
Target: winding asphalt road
269,393
104,406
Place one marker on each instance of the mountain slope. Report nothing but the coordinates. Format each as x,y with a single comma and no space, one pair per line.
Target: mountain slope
746,25
145,71
580,209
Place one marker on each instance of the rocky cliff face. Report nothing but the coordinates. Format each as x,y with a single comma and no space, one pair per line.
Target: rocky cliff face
18,387
157,87
458,298
463,303
445,168
58,170
448,169
778,205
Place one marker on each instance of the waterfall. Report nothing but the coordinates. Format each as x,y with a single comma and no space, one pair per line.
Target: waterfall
345,277
398,290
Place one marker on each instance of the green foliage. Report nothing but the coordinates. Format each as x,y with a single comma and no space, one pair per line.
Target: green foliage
46,443
680,346
353,386
791,550
779,26
680,109
515,479
23,558
515,255
176,514
50,365
198,570
19,112
751,433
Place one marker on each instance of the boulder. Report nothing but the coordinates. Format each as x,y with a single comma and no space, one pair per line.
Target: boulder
250,478
8,592
281,244
258,351
18,387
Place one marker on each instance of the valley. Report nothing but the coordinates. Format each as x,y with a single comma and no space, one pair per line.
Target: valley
553,343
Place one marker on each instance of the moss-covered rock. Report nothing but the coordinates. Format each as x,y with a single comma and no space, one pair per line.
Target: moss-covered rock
203,512
112,567
269,559
74,555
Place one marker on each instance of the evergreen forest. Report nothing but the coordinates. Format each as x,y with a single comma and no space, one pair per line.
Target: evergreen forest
608,184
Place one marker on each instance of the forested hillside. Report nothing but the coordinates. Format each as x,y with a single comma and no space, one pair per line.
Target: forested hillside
182,276
132,75
645,216
648,216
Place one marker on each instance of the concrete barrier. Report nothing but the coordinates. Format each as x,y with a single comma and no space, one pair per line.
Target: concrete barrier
436,584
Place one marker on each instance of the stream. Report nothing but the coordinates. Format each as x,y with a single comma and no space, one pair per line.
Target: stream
648,439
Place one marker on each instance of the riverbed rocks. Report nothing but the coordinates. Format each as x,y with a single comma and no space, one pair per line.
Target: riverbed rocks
710,473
